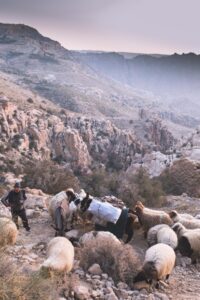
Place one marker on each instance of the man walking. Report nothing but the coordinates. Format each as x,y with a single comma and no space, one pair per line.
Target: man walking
15,199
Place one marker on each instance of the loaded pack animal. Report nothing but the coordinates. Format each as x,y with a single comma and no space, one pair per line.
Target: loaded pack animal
117,221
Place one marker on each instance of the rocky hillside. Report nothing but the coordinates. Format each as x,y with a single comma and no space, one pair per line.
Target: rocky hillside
75,83
78,141
44,66
33,127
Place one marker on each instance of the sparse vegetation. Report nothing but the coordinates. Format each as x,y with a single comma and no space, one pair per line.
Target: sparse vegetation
49,177
182,177
18,285
118,261
140,186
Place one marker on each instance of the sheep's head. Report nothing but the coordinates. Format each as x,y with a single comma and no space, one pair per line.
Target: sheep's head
173,214
70,195
177,227
85,203
140,277
150,271
138,210
139,203
135,220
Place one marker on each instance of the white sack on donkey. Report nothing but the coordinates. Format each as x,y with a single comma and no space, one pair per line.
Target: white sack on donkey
104,210
118,221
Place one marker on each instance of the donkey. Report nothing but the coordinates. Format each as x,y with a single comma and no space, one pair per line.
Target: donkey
125,218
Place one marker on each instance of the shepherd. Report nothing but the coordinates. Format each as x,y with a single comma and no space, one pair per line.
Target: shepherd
15,200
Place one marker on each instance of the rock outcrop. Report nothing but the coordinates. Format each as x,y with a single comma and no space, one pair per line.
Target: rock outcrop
72,139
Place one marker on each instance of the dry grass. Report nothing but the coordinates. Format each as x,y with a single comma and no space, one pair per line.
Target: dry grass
18,285
121,262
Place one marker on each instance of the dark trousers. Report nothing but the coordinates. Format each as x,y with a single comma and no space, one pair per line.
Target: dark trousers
22,214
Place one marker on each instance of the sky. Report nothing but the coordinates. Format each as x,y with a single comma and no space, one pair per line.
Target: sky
139,26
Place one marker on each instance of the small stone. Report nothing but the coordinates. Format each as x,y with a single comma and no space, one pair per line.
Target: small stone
122,285
80,272
98,282
122,294
161,296
151,297
81,292
111,296
109,284
109,290
95,269
104,276
95,294
72,234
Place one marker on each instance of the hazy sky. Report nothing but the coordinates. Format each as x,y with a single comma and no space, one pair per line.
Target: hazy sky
147,26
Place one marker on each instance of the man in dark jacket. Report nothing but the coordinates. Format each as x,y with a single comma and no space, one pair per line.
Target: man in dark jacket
15,199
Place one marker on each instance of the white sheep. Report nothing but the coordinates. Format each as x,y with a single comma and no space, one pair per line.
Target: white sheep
178,216
189,244
158,264
98,235
8,232
152,234
189,241
180,229
60,256
167,236
162,233
188,223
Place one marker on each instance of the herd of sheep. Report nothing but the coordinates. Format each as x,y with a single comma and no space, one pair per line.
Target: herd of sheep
165,232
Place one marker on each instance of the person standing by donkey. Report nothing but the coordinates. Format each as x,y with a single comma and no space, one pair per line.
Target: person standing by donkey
15,200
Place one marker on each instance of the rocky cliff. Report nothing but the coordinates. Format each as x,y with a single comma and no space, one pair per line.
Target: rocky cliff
78,141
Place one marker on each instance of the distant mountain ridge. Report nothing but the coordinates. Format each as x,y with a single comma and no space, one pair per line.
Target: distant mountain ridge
102,85
47,68
162,74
